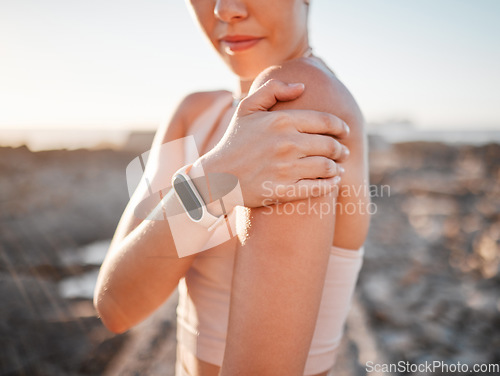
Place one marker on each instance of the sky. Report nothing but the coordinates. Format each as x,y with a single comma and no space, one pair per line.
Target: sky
120,64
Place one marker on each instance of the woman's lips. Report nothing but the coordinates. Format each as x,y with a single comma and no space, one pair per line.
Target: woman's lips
239,43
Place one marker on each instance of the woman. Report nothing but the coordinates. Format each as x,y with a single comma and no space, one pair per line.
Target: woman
273,300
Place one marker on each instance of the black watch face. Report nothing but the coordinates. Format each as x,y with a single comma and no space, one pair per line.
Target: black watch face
190,202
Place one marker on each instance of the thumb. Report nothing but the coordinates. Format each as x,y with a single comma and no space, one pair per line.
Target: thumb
269,94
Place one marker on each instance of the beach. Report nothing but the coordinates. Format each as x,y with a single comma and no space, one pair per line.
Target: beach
429,289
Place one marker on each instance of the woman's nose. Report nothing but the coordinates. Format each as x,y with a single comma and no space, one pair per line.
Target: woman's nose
230,10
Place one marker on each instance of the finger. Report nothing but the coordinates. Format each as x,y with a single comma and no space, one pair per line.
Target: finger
309,121
323,146
269,94
316,187
317,167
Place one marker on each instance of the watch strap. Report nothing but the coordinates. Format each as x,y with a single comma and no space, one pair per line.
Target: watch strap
207,220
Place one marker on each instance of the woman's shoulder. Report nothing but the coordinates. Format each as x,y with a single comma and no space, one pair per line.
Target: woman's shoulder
187,110
193,104
323,91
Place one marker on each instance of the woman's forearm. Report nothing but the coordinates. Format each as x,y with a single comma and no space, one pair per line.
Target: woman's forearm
143,267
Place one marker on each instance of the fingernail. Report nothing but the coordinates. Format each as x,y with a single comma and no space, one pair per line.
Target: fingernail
342,170
346,127
346,152
297,84
336,180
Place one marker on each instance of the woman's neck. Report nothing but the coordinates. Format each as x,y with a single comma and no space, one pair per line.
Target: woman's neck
245,84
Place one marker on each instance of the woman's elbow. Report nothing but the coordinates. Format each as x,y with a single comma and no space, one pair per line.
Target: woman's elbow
109,314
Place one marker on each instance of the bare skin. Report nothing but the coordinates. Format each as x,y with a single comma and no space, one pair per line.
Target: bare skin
142,264
301,242
347,231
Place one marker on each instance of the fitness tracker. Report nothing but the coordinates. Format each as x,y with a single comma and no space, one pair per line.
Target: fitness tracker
191,200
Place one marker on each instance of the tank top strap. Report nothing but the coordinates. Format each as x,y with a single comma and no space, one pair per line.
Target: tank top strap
205,123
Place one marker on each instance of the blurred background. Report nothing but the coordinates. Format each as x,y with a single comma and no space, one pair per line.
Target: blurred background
83,87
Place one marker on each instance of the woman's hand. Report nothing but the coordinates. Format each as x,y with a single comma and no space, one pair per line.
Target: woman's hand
279,156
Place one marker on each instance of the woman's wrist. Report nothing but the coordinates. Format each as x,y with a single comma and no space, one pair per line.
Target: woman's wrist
219,190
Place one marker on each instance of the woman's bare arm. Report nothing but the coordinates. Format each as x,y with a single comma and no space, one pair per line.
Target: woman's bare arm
142,267
279,271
